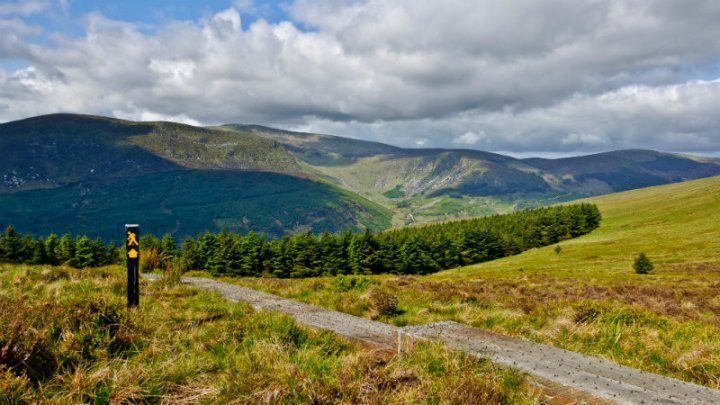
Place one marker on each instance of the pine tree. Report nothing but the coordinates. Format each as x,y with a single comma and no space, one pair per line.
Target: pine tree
168,249
642,264
50,244
188,259
39,256
10,246
65,249
85,255
149,241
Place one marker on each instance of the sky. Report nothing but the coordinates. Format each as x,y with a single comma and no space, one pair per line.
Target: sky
524,77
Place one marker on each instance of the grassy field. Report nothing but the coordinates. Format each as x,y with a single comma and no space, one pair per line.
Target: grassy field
585,298
67,337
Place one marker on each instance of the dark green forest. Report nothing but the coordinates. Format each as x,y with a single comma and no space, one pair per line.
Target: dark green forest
412,250
79,251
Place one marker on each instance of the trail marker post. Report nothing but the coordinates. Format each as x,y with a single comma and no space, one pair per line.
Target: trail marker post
132,256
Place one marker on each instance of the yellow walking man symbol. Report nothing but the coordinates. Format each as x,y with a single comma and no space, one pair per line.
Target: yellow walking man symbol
132,239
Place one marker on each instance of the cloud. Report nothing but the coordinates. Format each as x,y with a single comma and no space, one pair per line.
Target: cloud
24,7
470,138
520,75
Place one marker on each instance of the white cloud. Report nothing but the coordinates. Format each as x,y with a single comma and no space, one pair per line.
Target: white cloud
516,75
24,7
470,138
584,140
149,116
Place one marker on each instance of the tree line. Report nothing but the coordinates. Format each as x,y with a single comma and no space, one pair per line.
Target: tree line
413,250
79,251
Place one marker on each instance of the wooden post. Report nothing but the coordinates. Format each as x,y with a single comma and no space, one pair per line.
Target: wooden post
132,248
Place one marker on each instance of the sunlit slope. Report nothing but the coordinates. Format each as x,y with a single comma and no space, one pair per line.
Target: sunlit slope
676,225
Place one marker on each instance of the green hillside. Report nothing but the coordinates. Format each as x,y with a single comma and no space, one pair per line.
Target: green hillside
187,202
423,185
52,150
318,149
90,175
204,148
675,224
77,154
583,294
57,149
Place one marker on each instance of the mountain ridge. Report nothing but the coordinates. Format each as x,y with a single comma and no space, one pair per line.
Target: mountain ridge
61,151
428,184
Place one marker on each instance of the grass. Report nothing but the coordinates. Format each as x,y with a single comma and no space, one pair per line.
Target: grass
67,337
587,297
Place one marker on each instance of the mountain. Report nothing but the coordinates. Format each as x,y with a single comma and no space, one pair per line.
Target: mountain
424,185
57,149
90,175
624,170
65,172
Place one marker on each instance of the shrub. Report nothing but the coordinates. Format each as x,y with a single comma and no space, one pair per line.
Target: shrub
642,264
150,260
383,303
14,389
345,284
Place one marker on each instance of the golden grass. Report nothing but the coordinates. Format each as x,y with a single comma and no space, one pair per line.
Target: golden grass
586,297
67,337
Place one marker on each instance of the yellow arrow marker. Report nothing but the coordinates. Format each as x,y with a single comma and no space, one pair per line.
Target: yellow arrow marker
132,254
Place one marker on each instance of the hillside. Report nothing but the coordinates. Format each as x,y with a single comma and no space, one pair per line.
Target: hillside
86,174
73,155
52,150
583,296
188,202
424,185
674,224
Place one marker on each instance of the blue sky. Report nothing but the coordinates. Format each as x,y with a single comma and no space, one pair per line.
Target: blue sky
546,77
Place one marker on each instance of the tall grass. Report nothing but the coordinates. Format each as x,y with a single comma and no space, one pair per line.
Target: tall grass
67,337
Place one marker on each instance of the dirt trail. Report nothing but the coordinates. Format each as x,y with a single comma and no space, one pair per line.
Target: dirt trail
566,377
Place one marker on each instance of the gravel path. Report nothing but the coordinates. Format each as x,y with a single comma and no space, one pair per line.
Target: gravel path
569,377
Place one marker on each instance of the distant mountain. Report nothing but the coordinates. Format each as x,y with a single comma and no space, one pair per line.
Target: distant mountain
435,184
65,172
55,149
624,170
87,174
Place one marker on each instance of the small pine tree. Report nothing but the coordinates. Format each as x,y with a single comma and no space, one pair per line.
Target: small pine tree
558,249
51,243
642,264
84,253
10,248
168,249
65,249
